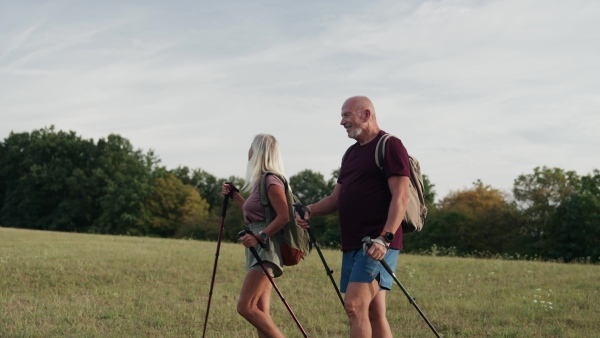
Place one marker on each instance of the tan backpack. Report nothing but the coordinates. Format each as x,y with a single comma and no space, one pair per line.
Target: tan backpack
416,211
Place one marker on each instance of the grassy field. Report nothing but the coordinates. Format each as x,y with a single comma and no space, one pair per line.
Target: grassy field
76,285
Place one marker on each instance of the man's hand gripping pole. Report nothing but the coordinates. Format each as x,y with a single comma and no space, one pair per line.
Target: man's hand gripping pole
302,210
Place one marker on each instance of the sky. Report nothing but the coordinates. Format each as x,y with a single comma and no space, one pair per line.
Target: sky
476,90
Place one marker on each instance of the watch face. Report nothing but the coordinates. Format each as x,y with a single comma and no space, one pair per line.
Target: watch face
263,235
389,236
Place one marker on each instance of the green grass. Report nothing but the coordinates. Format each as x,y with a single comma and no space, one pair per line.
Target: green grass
76,285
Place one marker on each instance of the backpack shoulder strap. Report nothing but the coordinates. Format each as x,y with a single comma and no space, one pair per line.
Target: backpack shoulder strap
380,154
264,197
380,150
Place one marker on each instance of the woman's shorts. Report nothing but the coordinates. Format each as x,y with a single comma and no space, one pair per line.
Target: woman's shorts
358,267
271,256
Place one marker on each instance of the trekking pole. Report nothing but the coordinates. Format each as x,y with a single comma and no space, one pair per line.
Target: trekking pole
262,264
212,282
368,242
300,209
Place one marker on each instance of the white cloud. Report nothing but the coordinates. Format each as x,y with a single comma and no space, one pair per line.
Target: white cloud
476,89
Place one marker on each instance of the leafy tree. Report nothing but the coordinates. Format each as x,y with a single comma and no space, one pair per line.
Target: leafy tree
333,180
540,195
55,180
429,192
232,224
124,178
309,186
207,185
58,181
577,231
209,188
39,172
172,208
472,220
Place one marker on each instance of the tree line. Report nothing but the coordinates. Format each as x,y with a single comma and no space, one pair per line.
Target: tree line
57,180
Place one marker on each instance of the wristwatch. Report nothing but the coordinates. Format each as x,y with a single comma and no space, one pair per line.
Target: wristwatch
387,236
263,235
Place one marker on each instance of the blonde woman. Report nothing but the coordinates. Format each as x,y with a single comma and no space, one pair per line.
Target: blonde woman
255,297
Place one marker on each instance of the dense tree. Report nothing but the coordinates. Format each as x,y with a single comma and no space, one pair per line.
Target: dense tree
124,177
573,230
56,180
478,219
539,196
172,208
40,174
309,186
429,192
209,186
333,180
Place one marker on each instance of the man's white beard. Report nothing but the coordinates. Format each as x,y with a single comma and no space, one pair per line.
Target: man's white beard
355,132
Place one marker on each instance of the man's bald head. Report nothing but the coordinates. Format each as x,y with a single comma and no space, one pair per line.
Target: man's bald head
359,104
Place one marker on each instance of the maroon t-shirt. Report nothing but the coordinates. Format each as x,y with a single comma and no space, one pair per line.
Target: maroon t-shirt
364,197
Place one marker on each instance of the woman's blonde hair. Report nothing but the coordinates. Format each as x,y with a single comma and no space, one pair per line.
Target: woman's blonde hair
266,156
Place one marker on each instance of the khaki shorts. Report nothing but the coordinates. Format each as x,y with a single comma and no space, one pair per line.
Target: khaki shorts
271,256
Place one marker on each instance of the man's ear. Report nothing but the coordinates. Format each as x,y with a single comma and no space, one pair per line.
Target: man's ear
367,115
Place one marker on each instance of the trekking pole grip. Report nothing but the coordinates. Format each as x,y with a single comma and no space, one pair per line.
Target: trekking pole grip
226,198
302,210
249,232
369,242
225,202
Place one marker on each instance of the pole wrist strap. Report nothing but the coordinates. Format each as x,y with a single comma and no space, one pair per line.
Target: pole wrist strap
380,242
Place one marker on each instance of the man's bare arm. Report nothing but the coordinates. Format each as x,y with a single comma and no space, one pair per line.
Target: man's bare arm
328,205
399,186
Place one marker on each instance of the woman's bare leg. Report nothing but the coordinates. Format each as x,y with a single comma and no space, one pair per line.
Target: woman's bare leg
254,304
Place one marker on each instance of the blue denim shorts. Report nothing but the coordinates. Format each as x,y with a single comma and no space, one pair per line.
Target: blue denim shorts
358,267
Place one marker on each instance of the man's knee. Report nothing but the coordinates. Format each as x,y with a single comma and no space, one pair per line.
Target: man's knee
356,308
354,313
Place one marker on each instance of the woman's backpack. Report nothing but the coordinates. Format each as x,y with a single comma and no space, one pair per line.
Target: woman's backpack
295,242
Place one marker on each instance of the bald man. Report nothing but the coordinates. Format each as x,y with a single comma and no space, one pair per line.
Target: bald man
368,204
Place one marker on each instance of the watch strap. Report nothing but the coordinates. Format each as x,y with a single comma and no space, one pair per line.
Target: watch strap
387,236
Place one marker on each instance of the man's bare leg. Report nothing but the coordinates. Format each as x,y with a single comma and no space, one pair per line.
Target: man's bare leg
377,316
357,304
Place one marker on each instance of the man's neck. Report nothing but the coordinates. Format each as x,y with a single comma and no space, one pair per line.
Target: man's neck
367,136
